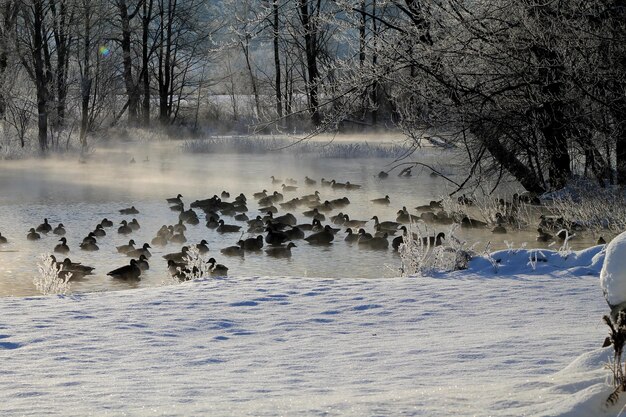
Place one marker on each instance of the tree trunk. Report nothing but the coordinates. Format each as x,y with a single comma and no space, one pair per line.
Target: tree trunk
132,89
310,49
146,19
275,39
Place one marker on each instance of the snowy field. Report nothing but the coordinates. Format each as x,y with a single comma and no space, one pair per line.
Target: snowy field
512,343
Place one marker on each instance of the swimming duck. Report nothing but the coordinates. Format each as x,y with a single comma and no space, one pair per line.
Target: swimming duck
280,251
315,214
309,181
225,194
234,250
124,229
311,198
178,238
268,209
127,272
543,236
380,232
135,253
353,223
258,196
202,246
434,240
62,247
403,216
336,185
106,223
325,183
142,263
351,237
387,225
217,269
471,223
241,198
324,237
3,239
89,246
289,188
131,210
339,202
99,231
178,270
338,219
499,229
126,248
212,223
44,227
32,234
242,217
253,243
76,267
227,228
275,238
286,219
175,200
276,180
382,201
179,257
294,233
377,242
179,227
59,230
160,240
177,207
352,186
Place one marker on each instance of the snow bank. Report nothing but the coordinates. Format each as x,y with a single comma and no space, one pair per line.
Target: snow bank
613,274
457,344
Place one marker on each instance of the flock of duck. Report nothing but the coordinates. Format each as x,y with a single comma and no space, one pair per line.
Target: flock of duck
268,231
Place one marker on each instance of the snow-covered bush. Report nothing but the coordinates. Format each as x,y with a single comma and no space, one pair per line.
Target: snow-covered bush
51,280
196,267
419,257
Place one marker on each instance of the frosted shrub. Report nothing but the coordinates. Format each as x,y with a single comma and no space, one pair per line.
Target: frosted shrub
49,281
196,268
419,257
616,338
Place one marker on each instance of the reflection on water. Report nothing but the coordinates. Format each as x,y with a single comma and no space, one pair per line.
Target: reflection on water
79,195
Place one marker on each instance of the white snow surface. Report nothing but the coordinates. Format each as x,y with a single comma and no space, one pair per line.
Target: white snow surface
613,274
477,342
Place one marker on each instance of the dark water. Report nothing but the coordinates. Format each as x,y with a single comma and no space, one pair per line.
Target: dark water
79,195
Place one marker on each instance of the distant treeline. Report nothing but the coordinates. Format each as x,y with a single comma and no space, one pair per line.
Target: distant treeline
535,89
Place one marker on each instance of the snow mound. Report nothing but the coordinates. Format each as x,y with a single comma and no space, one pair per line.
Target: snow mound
613,274
541,262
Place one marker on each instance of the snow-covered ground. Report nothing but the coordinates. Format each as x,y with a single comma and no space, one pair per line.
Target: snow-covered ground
508,343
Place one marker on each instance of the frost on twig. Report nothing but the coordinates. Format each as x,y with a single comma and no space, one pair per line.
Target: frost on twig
51,278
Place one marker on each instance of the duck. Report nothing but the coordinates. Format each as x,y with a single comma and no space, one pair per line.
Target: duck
350,186
294,233
33,235
309,181
353,223
126,248
179,227
124,229
275,238
309,198
377,242
472,223
76,267
351,237
339,202
289,188
135,253
127,272
234,250
242,217
543,236
281,251
276,180
338,219
225,194
159,240
268,209
217,269
364,235
3,240
99,231
44,227
241,198
212,223
227,228
382,201
175,200
177,207
387,225
106,223
434,240
380,232
315,214
253,243
178,238
59,230
260,195
202,246
324,237
89,246
286,219
90,238
62,247
325,183
130,210
179,257
336,185
178,270
403,216
142,263
499,229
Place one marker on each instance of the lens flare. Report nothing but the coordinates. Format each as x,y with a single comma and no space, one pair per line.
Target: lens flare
104,51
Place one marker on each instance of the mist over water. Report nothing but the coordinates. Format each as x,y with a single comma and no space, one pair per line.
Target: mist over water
80,194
